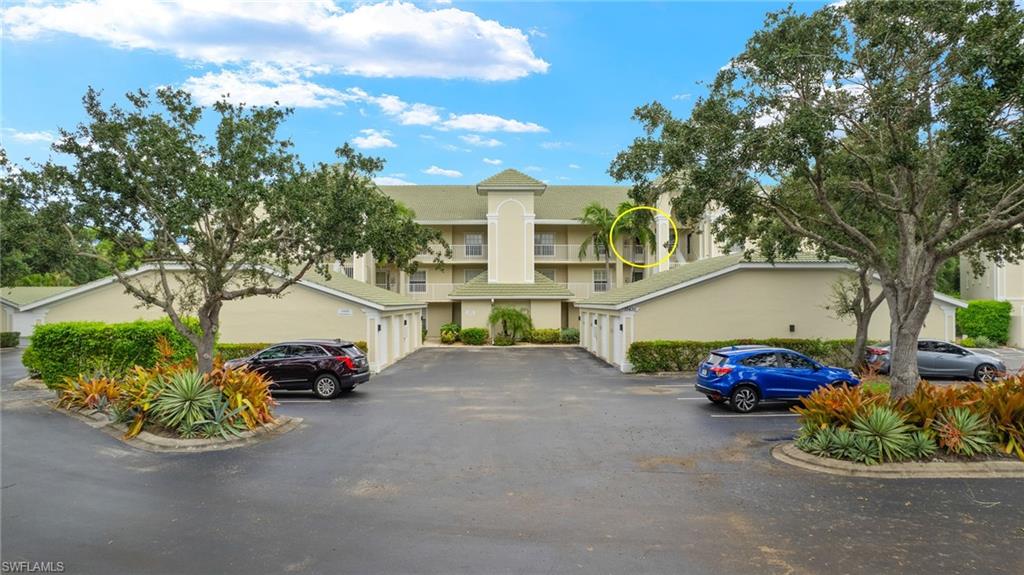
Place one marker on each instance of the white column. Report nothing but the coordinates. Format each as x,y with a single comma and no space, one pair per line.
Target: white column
662,237
528,229
628,337
492,247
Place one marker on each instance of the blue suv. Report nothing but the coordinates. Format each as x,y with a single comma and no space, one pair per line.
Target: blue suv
746,375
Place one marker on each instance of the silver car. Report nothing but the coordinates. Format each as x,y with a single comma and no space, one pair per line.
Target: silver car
943,359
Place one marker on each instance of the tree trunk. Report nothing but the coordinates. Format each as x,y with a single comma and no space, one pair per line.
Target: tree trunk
209,323
860,343
908,308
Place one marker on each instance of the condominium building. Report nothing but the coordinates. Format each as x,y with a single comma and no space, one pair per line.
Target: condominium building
518,241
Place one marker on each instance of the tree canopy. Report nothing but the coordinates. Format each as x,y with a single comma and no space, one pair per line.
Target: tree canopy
887,133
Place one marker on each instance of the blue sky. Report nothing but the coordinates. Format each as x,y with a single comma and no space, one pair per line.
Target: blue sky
446,93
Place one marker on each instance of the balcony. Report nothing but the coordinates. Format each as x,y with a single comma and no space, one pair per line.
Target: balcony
570,253
430,291
583,290
460,253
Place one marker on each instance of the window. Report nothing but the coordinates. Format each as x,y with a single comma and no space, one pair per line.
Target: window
381,279
277,352
418,282
638,251
474,245
348,271
548,273
600,280
472,273
948,348
925,345
637,275
544,244
794,361
305,351
689,238
761,360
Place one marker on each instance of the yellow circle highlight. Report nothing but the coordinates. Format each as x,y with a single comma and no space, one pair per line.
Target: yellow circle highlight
675,233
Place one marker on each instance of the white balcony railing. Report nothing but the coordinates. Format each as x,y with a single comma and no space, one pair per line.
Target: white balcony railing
583,290
572,253
461,253
430,291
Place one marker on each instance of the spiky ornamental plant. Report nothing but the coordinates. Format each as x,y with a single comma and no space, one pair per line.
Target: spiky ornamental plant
842,443
864,450
921,445
185,400
963,432
887,428
820,443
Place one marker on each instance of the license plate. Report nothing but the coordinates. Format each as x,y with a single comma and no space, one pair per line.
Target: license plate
704,372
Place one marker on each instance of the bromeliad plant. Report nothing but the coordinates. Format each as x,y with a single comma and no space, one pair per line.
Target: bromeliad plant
186,398
88,393
963,432
247,391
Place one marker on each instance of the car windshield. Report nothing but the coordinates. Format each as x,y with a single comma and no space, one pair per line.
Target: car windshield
715,359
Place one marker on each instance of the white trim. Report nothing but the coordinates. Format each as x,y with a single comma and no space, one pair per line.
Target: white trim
109,280
510,297
452,222
747,265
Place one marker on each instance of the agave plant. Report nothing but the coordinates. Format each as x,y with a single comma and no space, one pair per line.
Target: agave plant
185,399
820,443
222,420
963,432
842,443
887,428
921,445
864,450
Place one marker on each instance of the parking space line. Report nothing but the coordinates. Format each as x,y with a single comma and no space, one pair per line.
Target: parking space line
755,415
301,401
692,398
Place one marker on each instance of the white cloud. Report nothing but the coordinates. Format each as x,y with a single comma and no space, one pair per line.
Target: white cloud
537,32
387,39
492,162
488,123
681,97
533,169
436,171
40,137
574,166
372,140
477,140
391,181
554,145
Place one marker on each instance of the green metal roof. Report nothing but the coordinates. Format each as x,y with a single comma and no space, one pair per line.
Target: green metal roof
435,203
686,273
24,295
371,293
542,287
510,179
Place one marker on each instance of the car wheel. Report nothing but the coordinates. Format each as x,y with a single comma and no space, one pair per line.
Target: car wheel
326,386
986,372
716,401
744,399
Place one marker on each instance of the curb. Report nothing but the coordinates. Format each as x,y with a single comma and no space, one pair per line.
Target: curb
29,383
157,444
788,453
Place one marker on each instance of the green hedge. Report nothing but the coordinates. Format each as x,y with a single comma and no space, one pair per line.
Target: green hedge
236,350
60,350
985,318
569,335
474,336
9,338
666,355
545,335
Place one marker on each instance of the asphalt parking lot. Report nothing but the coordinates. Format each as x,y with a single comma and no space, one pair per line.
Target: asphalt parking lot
489,461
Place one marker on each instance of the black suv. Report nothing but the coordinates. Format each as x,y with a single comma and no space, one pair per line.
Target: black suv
326,367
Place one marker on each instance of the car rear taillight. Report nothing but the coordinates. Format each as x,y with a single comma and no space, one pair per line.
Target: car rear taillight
346,360
721,370
878,351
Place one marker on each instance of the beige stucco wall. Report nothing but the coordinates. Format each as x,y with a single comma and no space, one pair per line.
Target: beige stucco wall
759,304
1006,284
108,304
546,313
438,314
475,312
510,236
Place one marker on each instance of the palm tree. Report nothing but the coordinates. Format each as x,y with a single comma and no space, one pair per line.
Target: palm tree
638,225
600,219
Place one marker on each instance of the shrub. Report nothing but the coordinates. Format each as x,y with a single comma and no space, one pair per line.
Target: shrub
184,401
683,355
247,391
362,345
228,351
1003,402
887,428
544,335
836,405
569,335
88,393
514,322
504,340
448,337
9,338
474,336
452,329
982,341
60,350
921,445
968,342
963,432
985,318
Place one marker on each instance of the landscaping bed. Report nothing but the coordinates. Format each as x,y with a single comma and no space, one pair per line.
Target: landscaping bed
941,428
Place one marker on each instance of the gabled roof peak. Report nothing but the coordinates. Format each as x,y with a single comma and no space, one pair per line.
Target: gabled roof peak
511,180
